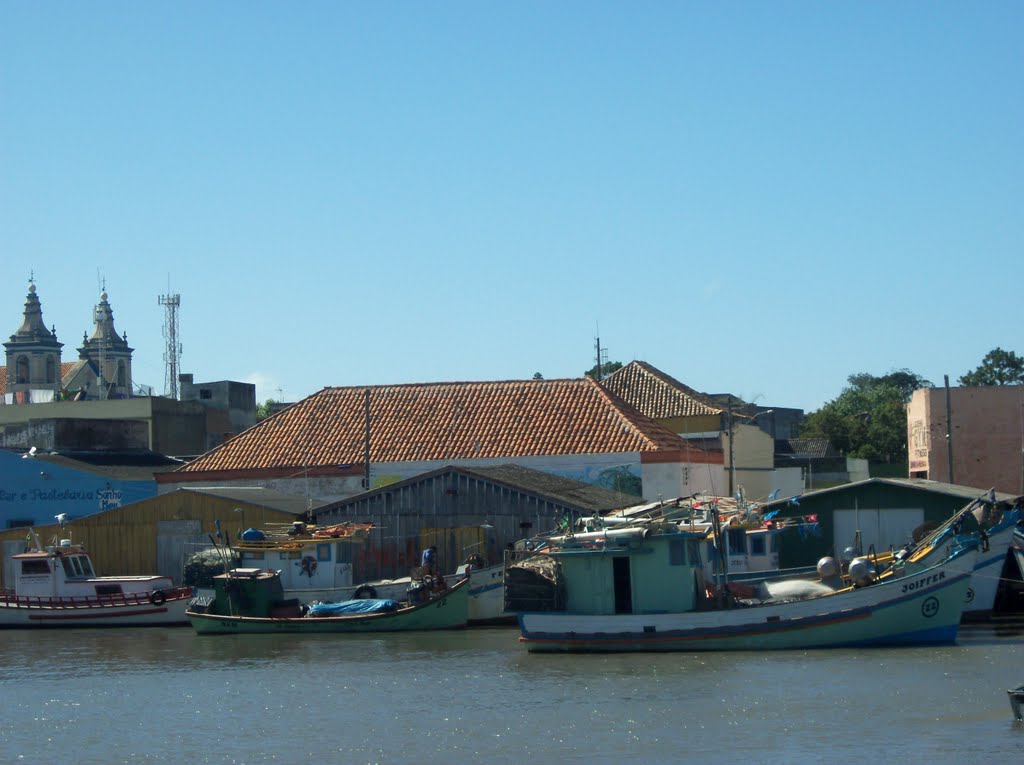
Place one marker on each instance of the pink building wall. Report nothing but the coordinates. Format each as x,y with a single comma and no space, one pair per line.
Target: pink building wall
987,436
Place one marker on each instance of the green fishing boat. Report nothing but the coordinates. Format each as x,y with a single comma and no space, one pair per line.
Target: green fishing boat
249,601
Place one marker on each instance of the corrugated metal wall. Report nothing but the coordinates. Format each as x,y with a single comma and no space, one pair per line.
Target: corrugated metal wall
126,541
460,514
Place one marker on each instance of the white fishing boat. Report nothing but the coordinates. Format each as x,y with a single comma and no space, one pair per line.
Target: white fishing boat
56,586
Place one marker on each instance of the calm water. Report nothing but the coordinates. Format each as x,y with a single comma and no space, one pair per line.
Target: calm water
168,696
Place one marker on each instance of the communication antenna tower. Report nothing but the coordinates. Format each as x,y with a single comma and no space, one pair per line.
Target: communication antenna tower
172,353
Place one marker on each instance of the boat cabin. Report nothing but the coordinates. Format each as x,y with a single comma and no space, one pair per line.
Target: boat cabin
306,557
65,571
747,550
625,571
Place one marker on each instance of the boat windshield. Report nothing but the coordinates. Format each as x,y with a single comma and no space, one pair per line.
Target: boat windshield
77,566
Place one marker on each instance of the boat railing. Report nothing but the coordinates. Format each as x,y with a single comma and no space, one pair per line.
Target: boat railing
152,598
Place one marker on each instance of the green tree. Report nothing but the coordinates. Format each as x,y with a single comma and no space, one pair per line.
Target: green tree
868,419
999,367
263,410
606,369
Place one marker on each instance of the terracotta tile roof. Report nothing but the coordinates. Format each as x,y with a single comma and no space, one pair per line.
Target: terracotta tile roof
656,394
805,448
442,421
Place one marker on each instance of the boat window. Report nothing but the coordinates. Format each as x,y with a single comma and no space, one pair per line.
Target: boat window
108,589
78,566
37,566
677,552
87,566
69,570
736,539
757,546
775,543
323,552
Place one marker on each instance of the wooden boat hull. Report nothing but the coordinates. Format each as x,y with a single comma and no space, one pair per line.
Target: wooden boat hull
986,579
1017,549
486,593
143,610
449,611
1017,702
487,597
924,608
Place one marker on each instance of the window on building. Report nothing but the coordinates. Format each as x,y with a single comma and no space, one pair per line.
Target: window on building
205,393
21,369
122,376
51,370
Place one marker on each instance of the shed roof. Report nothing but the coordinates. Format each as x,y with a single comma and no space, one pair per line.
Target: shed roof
967,493
441,421
121,465
257,495
805,448
558,489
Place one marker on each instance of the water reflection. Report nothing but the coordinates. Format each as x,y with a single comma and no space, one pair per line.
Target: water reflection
478,695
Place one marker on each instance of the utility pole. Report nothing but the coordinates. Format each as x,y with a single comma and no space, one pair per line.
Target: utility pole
601,358
732,464
366,445
949,430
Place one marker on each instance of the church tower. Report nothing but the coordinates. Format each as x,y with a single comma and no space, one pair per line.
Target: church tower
107,354
33,356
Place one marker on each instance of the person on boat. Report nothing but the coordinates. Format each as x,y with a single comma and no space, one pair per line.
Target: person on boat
428,562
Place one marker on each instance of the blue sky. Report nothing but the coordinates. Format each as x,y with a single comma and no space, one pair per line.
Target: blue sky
759,198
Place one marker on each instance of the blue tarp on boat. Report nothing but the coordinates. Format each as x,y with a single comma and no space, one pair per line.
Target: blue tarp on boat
368,606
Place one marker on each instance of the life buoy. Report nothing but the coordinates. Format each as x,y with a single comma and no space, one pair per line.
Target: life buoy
157,598
365,592
308,566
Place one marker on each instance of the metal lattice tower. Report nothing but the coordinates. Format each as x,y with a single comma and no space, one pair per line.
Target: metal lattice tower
172,353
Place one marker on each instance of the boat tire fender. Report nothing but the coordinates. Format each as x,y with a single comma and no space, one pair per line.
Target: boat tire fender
365,592
157,598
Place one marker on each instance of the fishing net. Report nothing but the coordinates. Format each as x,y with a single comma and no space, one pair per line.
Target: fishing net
535,584
203,566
